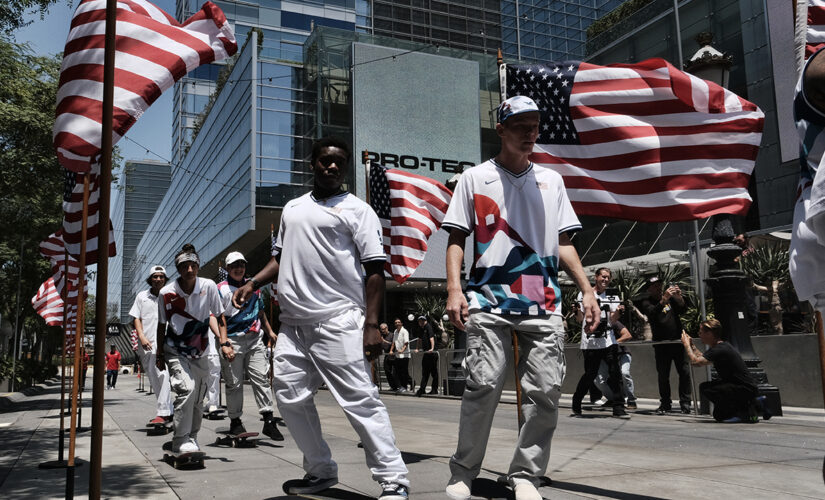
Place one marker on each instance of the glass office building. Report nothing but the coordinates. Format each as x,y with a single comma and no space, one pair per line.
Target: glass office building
140,189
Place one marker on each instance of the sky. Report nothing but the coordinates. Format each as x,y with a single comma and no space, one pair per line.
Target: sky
153,130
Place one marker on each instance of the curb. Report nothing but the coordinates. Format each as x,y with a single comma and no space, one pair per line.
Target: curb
8,400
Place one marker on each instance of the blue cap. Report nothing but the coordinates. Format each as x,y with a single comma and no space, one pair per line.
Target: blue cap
515,105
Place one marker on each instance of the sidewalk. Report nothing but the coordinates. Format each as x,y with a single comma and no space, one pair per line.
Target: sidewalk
675,456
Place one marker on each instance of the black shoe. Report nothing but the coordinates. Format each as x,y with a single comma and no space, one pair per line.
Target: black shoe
632,405
618,412
236,427
662,410
433,392
271,429
685,409
394,492
577,409
419,393
310,484
761,403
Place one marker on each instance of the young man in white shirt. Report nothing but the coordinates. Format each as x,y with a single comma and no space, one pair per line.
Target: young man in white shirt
401,350
145,312
329,322
519,215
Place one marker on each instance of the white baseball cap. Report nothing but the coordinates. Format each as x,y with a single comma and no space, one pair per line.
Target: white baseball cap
233,257
157,269
515,106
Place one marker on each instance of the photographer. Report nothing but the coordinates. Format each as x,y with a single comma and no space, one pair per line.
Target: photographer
600,345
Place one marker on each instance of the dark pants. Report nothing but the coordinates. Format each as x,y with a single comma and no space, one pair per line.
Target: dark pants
429,367
83,378
389,371
729,399
402,373
665,355
111,378
592,360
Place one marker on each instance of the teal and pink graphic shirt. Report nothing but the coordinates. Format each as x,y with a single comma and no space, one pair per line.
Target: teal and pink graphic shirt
241,321
517,220
187,316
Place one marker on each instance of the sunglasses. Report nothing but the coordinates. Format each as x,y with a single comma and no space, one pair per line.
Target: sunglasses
328,160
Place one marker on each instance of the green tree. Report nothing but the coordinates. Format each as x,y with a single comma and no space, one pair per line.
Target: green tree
12,12
31,180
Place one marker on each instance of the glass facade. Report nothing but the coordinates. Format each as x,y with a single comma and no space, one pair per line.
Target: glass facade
141,187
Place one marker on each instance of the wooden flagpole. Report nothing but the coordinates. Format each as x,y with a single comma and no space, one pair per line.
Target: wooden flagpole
81,280
103,249
502,78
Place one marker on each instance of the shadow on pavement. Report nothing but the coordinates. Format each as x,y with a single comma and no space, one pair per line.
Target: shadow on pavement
603,492
413,458
333,493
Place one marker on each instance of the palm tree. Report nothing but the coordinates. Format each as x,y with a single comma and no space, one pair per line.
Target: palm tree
767,267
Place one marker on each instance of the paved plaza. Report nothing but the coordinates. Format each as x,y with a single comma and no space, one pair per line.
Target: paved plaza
649,456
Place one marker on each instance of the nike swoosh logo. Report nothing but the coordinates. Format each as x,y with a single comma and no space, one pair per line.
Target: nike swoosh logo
490,182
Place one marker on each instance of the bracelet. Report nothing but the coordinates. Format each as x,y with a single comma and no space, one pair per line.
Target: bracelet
255,284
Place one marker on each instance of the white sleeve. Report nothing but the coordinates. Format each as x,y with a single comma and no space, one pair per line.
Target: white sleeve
367,235
214,298
460,214
567,220
278,244
135,310
225,295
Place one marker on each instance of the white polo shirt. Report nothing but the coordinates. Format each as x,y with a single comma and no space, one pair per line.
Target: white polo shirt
145,308
322,244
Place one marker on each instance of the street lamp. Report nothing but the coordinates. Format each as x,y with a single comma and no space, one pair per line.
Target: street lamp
728,282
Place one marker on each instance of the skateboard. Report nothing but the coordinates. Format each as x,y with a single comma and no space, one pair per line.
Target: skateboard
185,460
245,440
159,429
215,415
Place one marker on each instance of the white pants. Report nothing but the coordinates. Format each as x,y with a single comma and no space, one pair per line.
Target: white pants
158,381
188,382
541,372
213,382
627,380
332,352
250,358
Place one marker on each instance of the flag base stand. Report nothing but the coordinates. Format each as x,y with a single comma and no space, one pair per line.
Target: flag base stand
59,464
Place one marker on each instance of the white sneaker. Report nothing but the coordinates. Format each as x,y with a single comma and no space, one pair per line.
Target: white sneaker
458,490
188,447
526,491
212,409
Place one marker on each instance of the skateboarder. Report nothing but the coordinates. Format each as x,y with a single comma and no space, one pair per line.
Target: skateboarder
329,322
245,331
191,306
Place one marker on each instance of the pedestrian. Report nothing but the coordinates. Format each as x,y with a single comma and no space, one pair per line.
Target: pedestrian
400,349
519,215
662,308
112,366
389,359
329,322
734,394
145,312
192,309
429,361
245,330
625,358
600,346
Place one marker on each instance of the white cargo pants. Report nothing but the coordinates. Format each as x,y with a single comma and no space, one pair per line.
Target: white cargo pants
541,372
158,381
188,382
250,358
213,382
332,352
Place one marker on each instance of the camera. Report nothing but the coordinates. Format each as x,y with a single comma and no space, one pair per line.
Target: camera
604,323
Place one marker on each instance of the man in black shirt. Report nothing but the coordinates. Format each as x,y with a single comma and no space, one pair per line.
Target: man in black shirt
662,309
734,394
429,363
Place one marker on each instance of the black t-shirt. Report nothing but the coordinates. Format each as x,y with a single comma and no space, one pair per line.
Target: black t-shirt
664,320
425,333
729,365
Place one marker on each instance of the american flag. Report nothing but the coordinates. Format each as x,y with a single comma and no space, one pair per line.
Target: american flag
153,51
133,338
411,208
48,304
642,141
73,215
53,249
815,36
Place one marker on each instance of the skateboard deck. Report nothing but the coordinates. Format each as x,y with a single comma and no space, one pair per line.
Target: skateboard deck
245,440
160,429
185,460
215,415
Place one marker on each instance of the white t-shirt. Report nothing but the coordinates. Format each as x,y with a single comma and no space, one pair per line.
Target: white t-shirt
145,308
807,265
322,244
399,338
516,220
591,342
188,316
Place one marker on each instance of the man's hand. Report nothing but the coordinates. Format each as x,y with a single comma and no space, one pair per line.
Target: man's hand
272,338
242,294
228,352
372,342
592,313
686,341
457,309
147,346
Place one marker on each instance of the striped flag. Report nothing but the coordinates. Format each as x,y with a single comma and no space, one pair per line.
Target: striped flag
73,215
153,51
411,208
53,250
133,338
642,141
48,304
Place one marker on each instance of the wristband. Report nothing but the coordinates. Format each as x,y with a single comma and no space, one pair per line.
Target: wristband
255,284
227,344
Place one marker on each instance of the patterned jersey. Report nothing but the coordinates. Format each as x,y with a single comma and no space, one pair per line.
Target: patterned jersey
241,321
188,316
516,220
